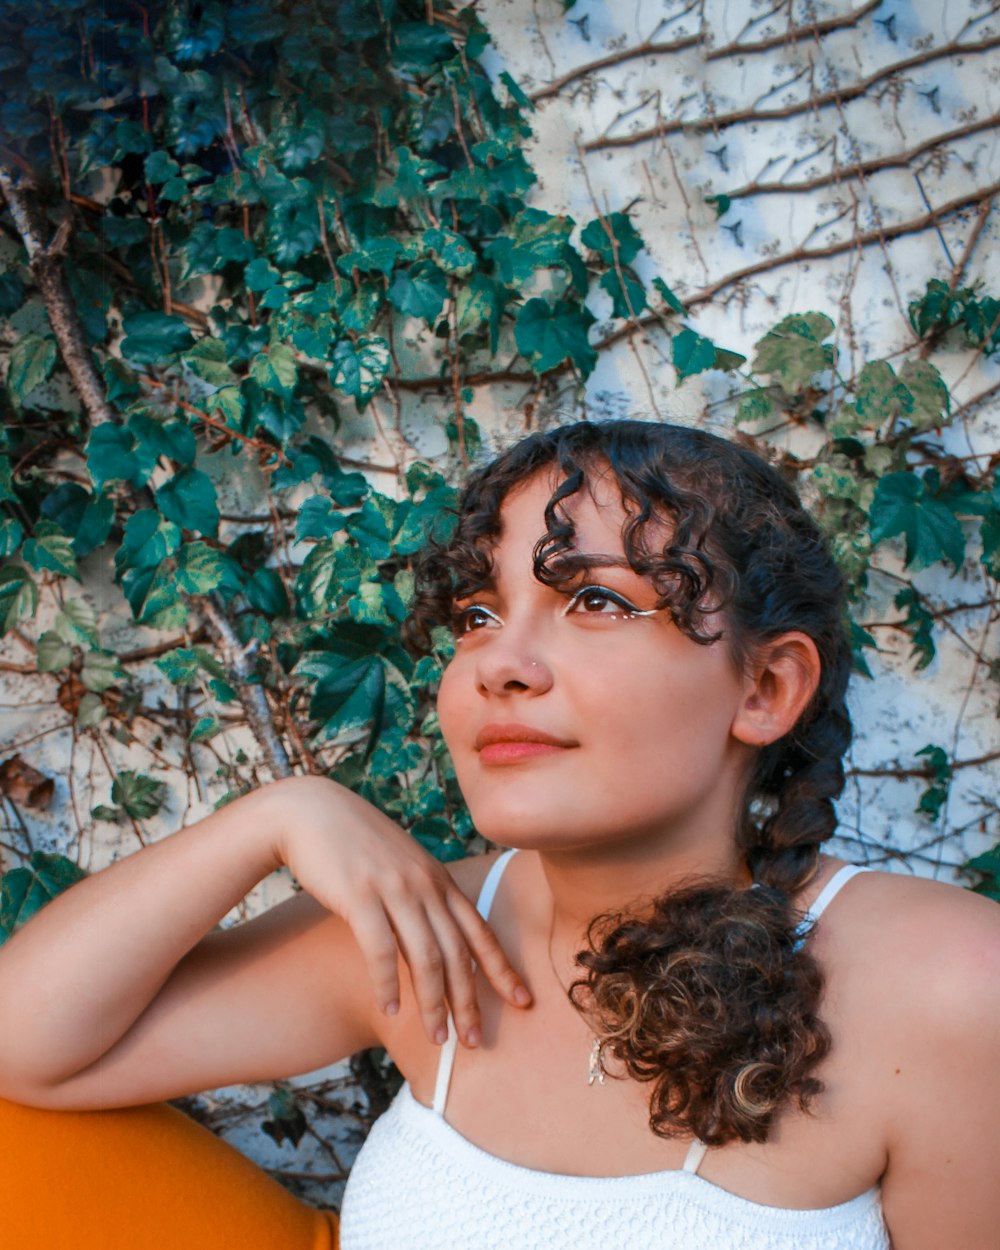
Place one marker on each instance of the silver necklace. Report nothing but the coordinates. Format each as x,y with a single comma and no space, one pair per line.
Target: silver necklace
596,1071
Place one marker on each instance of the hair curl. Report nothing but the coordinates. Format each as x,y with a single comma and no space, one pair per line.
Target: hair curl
710,996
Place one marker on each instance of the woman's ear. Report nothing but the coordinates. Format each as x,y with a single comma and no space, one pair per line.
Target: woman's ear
781,681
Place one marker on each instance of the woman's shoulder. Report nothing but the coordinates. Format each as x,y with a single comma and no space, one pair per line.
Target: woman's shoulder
470,873
928,950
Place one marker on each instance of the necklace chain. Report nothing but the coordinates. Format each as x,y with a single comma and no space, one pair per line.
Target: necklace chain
595,1060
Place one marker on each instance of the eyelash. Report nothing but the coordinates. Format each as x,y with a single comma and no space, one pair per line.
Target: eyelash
628,609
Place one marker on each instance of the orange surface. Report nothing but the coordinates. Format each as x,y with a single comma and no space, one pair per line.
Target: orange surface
146,1178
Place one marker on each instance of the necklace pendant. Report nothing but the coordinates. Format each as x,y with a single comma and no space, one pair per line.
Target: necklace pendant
595,1068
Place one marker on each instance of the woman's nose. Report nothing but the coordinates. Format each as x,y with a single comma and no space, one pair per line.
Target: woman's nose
509,665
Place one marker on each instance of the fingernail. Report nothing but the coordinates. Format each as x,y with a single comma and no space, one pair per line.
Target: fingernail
473,1036
391,1008
521,996
441,1034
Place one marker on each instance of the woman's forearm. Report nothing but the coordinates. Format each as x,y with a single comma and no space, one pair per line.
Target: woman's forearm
77,977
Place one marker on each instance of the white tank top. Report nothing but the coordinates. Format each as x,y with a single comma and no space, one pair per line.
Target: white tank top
418,1184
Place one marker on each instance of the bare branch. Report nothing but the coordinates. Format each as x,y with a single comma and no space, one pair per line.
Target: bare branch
45,262
811,30
834,97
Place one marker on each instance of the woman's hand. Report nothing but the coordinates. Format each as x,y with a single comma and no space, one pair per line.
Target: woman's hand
398,900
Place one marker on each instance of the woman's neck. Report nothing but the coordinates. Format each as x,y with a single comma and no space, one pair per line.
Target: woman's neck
583,883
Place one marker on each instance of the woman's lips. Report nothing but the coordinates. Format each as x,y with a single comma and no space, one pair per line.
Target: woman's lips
515,752
512,743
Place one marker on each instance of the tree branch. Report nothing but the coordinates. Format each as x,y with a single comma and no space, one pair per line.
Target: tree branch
810,30
45,262
836,96
862,169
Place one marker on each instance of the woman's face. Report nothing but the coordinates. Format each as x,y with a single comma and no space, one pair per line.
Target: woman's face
576,721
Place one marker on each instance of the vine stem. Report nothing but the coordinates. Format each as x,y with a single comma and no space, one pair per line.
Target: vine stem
45,258
238,659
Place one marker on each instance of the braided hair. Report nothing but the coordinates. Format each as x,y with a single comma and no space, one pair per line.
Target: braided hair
710,996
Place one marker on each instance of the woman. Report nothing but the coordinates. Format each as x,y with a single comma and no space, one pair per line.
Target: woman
647,699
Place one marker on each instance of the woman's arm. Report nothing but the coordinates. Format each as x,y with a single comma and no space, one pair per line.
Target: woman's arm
114,994
941,1081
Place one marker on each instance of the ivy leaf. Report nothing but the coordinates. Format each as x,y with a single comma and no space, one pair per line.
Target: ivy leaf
265,591
77,622
879,396
276,370
207,359
101,671
613,238
989,865
930,401
721,203
374,256
349,692
25,891
32,359
539,242
692,353
153,337
18,595
161,167
668,297
903,506
137,794
358,369
480,300
205,728
628,296
50,550
548,336
11,534
188,499
147,540
173,439
419,46
317,518
793,352
419,291
453,252
200,569
114,455
53,653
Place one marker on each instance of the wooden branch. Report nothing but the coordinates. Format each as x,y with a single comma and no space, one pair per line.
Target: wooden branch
836,96
862,169
809,30
882,234
45,262
239,662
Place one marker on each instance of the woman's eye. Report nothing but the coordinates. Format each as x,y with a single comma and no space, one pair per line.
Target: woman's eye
472,618
599,601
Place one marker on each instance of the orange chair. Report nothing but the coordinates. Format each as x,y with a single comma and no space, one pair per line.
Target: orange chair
145,1178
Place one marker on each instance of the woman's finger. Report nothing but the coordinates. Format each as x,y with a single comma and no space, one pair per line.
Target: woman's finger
422,951
377,941
459,974
487,952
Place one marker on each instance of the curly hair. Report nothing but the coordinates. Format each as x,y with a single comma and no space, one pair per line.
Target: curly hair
711,995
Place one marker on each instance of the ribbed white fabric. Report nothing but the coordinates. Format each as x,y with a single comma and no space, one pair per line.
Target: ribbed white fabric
418,1184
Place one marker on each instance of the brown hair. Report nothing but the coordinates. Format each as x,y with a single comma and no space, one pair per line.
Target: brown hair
710,996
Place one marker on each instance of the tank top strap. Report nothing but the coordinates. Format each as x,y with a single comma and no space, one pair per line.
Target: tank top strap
694,1156
446,1059
825,897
